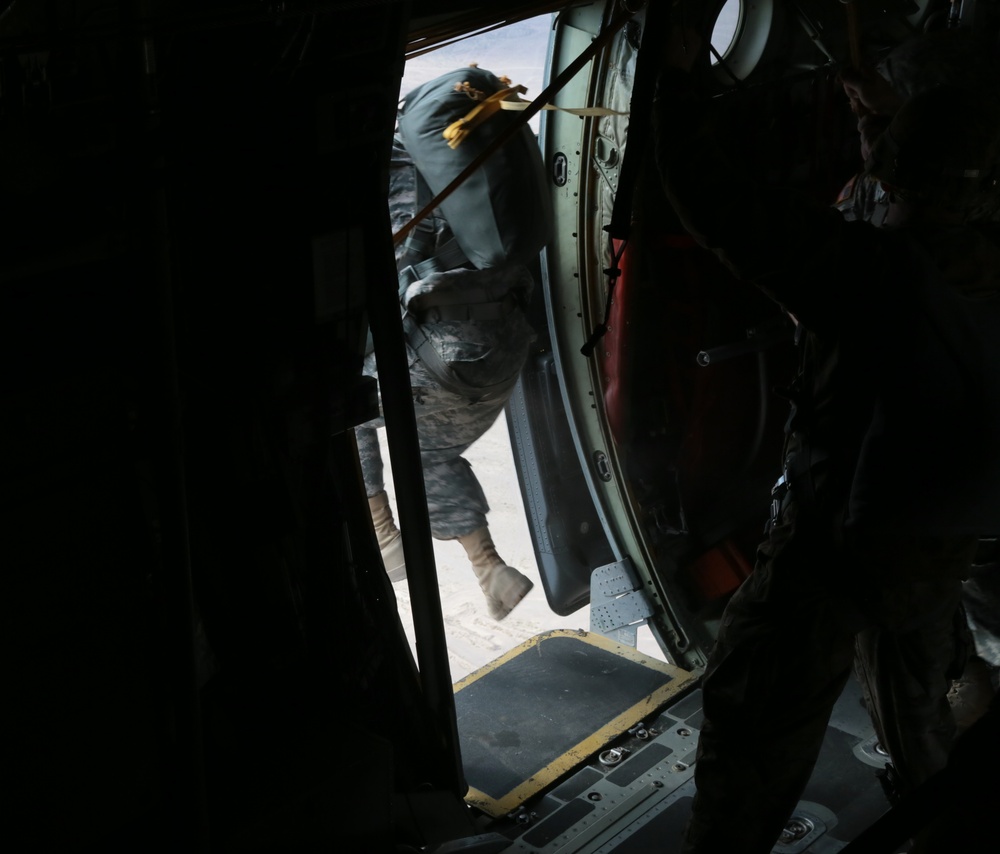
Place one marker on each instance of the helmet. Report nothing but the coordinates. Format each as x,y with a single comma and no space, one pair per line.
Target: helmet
942,149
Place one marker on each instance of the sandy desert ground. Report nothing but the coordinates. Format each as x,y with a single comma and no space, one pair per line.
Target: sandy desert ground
474,639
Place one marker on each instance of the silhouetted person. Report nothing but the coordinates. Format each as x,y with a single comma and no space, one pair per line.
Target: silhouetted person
891,466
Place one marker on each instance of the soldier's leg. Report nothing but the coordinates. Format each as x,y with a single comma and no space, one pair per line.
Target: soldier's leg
447,425
972,693
981,598
917,646
366,437
456,503
370,455
906,673
390,542
783,655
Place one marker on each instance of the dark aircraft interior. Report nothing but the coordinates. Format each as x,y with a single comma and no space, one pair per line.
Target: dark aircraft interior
204,648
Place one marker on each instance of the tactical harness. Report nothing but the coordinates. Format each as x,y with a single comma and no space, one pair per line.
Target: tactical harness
471,304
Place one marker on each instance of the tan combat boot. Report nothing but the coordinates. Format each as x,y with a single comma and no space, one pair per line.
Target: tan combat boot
503,585
390,541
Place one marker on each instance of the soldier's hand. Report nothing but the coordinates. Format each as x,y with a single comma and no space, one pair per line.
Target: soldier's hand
869,92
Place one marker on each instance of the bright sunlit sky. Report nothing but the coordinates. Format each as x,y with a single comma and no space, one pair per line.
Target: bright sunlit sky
517,51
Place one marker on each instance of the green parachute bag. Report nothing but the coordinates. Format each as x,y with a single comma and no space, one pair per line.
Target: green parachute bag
501,213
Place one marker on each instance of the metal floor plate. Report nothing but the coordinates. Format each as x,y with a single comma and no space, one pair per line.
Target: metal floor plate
541,710
640,801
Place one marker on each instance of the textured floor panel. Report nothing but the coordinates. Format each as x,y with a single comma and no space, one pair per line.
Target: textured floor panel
520,718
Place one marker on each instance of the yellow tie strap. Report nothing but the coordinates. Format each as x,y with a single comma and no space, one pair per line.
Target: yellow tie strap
518,104
507,99
456,132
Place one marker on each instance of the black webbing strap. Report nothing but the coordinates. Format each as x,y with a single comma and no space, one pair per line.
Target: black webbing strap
448,257
640,118
639,131
421,244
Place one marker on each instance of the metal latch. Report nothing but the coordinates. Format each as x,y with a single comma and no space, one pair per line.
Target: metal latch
796,828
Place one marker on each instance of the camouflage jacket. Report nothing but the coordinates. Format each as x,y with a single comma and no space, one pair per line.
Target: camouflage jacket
482,352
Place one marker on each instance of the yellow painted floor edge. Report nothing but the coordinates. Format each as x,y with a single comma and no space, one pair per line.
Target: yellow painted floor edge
547,775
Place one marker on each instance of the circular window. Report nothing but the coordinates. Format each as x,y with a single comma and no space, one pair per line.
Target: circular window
726,27
739,37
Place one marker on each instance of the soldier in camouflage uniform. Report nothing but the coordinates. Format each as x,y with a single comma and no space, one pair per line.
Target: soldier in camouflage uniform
946,57
484,354
939,58
891,463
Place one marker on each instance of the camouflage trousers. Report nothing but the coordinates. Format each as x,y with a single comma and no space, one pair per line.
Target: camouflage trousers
485,354
789,640
447,424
